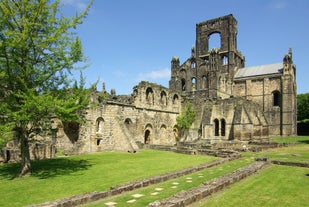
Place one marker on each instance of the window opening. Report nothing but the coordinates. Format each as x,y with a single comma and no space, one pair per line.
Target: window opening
222,127
214,41
276,98
216,121
183,84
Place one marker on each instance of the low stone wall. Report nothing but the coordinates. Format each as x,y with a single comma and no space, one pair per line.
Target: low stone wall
185,198
116,190
294,164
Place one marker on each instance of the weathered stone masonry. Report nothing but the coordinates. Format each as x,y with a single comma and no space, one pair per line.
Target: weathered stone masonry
232,102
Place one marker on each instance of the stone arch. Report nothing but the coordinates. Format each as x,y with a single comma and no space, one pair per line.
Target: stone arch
128,123
148,134
214,40
175,99
176,133
216,123
163,130
193,64
149,95
193,82
183,84
163,98
99,125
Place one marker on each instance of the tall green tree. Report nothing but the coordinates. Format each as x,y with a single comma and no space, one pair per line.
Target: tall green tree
303,107
38,51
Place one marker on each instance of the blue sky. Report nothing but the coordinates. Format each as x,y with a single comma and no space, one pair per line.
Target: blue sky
127,41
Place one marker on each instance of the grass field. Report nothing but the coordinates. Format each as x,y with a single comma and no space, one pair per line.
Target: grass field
183,183
66,176
276,186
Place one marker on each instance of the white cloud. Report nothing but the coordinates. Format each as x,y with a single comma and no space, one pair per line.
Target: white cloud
155,75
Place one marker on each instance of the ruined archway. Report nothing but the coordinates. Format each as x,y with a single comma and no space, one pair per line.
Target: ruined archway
148,134
99,125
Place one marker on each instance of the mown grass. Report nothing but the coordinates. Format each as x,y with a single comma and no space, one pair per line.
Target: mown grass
66,176
298,151
184,183
276,186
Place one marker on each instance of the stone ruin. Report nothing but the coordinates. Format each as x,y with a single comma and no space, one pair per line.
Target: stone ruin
233,103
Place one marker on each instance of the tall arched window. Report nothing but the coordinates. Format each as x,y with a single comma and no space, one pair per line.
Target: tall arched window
193,81
163,98
175,99
183,84
193,64
276,98
222,127
214,41
216,122
149,96
99,122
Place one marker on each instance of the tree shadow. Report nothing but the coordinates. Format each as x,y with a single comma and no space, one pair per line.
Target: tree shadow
47,168
304,141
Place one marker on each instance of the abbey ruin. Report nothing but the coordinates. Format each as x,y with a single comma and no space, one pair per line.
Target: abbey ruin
232,102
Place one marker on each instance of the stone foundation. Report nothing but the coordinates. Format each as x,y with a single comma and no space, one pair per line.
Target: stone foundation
185,198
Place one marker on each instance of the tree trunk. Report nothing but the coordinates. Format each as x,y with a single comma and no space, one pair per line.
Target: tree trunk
25,156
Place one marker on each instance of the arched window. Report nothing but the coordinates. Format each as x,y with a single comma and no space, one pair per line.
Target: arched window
193,81
175,99
222,127
149,96
163,98
183,84
276,98
99,123
225,60
216,122
193,65
214,41
147,137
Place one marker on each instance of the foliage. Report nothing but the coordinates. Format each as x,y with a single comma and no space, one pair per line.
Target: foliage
186,119
38,51
303,107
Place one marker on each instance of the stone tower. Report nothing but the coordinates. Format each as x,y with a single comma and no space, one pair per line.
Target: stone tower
210,71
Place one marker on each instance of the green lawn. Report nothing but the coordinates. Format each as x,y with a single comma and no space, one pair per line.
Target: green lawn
66,176
182,183
276,186
298,151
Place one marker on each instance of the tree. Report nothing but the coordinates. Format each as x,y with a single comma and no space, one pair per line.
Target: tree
185,120
303,107
38,51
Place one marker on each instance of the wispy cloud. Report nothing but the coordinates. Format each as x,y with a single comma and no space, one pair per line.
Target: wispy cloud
155,75
80,5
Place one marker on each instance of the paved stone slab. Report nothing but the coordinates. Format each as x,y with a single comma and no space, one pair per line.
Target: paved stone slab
175,186
131,201
154,193
158,189
137,195
175,183
111,204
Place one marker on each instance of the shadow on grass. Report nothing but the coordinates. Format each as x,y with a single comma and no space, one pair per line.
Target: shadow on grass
304,141
45,169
